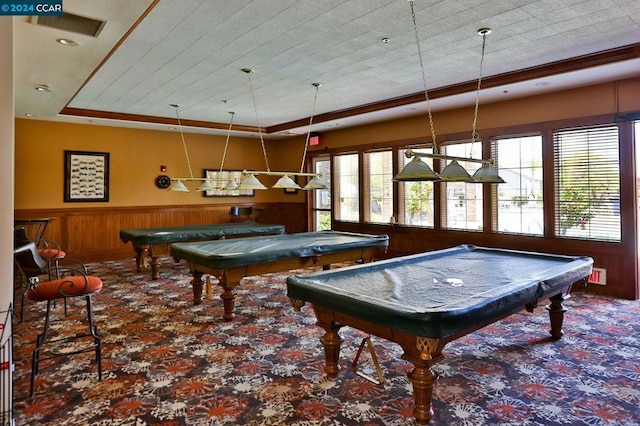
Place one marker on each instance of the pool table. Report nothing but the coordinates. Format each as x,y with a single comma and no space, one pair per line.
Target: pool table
231,260
154,242
424,301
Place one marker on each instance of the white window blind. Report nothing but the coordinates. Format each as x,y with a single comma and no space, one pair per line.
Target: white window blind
347,187
378,176
587,180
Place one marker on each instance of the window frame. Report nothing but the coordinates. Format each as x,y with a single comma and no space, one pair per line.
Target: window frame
495,211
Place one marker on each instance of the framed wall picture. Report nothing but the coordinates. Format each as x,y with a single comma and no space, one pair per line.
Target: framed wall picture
86,176
220,180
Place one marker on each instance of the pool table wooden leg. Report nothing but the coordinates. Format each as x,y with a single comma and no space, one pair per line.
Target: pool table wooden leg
556,314
155,268
141,261
331,342
196,283
423,353
423,379
228,298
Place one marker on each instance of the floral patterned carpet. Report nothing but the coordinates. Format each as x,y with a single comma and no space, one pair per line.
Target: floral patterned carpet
167,362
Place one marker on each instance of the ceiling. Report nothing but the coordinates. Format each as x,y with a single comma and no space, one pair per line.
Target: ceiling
154,53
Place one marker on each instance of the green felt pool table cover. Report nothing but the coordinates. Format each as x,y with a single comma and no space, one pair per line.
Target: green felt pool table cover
197,232
229,253
436,294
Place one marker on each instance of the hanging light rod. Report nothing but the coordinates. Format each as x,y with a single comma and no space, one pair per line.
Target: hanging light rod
273,173
249,180
285,180
409,153
417,170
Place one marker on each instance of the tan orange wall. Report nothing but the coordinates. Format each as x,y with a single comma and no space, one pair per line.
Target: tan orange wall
135,157
582,102
285,155
628,95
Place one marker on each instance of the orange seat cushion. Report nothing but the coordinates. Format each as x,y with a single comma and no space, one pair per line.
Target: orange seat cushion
51,254
65,287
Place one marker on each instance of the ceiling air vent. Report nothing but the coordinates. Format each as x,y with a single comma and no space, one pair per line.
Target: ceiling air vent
70,22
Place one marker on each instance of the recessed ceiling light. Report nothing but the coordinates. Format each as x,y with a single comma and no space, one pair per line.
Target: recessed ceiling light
67,42
43,88
29,115
542,83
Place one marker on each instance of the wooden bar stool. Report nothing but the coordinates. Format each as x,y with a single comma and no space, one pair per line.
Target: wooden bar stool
71,282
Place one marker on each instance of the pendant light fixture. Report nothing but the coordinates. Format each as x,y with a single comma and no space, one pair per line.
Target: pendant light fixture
418,170
206,182
249,179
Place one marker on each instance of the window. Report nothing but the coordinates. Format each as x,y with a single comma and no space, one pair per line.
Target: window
416,198
322,197
462,206
519,201
587,183
347,187
378,175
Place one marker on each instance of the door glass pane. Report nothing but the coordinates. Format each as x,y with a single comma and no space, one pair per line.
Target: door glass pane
322,220
379,178
322,197
463,200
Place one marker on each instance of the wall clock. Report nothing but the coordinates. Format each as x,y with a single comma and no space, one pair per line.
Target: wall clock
163,181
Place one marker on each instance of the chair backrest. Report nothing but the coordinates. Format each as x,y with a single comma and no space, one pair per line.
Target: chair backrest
20,237
241,214
29,262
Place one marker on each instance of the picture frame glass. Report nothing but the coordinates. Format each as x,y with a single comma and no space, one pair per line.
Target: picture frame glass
86,176
219,180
